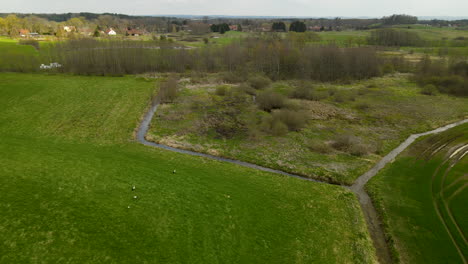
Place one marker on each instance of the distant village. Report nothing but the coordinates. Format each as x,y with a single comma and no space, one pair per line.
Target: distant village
114,25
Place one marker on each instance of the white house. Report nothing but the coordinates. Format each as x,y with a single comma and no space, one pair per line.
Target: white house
69,29
111,32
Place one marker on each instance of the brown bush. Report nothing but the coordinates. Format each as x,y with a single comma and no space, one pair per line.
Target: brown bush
221,90
429,89
344,142
319,147
270,100
168,90
350,144
279,128
294,120
259,81
303,91
247,89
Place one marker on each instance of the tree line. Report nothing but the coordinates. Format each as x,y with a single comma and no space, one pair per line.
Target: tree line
50,24
275,57
394,37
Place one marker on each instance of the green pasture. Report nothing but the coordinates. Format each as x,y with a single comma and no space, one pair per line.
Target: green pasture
68,164
422,199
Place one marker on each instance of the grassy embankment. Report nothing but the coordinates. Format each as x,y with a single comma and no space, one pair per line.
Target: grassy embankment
68,163
422,199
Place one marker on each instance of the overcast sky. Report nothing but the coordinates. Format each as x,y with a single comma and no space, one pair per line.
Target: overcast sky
309,8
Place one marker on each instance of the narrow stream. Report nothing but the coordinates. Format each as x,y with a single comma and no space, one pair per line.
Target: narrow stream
372,219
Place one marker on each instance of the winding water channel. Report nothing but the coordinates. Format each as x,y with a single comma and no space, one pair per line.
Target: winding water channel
373,222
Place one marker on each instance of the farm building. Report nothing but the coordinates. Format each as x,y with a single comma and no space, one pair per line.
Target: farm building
23,33
134,32
69,29
111,32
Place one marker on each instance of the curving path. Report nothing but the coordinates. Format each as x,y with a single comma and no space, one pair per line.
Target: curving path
372,219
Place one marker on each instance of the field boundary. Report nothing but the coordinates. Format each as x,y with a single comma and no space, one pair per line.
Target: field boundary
371,216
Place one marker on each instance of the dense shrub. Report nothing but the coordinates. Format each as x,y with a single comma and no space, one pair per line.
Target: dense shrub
279,128
319,147
221,90
450,79
460,68
344,142
282,121
168,90
270,100
429,89
350,144
259,82
294,120
273,126
359,149
303,91
247,89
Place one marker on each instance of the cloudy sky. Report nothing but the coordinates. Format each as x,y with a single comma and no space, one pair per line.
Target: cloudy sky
309,8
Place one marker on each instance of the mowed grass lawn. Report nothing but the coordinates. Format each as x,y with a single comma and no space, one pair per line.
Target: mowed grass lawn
422,197
68,164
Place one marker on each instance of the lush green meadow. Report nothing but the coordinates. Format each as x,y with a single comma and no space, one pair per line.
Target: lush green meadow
422,199
69,161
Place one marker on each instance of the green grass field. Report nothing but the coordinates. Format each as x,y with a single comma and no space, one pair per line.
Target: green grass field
69,161
422,198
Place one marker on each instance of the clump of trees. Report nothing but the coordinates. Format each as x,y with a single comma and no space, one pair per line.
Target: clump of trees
221,28
394,37
399,20
278,27
442,76
298,26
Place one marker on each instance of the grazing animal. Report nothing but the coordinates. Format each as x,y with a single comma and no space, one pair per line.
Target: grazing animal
135,197
174,171
133,188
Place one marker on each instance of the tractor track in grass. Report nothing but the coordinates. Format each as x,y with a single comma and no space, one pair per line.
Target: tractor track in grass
372,219
438,195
